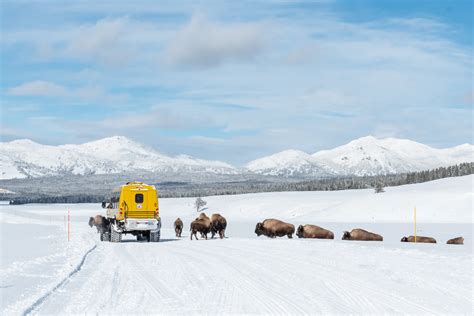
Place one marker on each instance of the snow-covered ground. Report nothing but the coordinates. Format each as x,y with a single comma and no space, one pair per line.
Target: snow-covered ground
42,273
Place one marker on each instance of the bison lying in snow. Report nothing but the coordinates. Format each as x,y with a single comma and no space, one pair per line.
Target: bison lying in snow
274,228
422,239
313,231
456,241
178,227
361,234
218,225
201,224
100,222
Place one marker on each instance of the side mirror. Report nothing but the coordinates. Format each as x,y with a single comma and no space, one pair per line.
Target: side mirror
103,204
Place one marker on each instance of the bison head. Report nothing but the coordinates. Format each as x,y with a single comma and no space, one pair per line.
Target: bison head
259,229
404,239
91,221
299,231
346,236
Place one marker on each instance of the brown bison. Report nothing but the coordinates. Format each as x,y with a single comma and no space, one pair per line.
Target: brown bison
361,234
421,239
201,224
218,225
178,227
313,231
100,222
274,228
456,241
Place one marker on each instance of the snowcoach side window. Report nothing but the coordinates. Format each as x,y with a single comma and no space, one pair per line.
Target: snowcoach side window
115,199
138,198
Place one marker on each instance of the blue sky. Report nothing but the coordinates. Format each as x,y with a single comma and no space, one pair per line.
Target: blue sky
237,80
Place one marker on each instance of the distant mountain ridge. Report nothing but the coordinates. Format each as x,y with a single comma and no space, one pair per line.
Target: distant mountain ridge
366,156
118,154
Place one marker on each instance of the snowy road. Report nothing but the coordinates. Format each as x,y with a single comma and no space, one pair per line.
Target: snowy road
242,273
265,276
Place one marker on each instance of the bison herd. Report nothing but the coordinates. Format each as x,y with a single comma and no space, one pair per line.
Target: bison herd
203,225
272,228
275,228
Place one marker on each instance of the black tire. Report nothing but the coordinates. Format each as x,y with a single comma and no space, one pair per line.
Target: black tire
155,236
105,236
115,236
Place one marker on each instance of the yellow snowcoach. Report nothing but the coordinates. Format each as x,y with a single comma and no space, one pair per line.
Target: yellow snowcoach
133,209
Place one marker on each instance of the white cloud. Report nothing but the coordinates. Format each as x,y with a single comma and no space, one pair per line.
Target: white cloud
165,116
202,43
103,41
41,88
38,88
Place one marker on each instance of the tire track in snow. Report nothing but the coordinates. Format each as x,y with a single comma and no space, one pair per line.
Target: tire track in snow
43,298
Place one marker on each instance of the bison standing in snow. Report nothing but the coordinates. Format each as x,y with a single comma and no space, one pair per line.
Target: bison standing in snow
274,228
313,231
361,234
178,227
201,224
421,239
218,225
100,222
456,241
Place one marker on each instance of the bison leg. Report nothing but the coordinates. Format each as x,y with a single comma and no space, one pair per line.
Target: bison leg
221,234
290,236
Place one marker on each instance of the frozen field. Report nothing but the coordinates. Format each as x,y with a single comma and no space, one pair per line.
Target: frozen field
42,273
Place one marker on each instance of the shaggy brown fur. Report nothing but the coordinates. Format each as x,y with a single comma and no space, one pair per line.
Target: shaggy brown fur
218,225
361,234
456,241
178,227
201,224
422,239
274,228
313,231
100,222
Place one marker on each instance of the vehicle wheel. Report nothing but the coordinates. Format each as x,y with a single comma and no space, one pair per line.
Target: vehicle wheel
115,236
105,236
155,236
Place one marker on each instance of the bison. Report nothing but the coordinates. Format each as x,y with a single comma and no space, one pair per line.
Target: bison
313,231
100,222
456,241
218,225
178,227
274,228
201,224
421,239
361,234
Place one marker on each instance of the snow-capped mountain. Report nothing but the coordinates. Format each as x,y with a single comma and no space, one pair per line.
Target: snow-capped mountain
363,156
289,163
373,156
24,158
